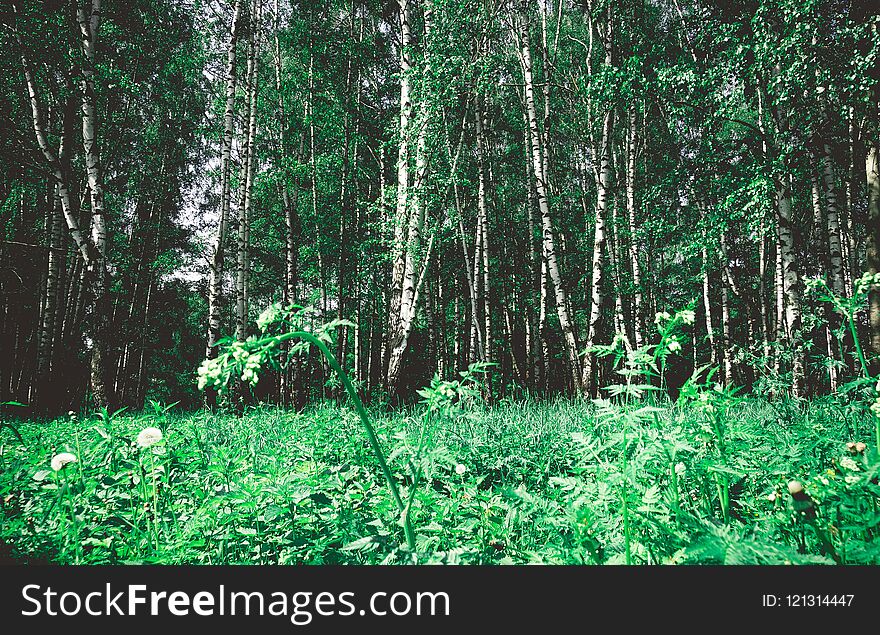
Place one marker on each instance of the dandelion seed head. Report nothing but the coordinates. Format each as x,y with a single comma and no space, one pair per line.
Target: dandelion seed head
149,437
460,469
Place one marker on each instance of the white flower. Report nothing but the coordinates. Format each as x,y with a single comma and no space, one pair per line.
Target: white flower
148,437
771,497
688,316
659,317
849,464
269,316
679,468
852,478
71,413
674,346
62,459
460,469
209,373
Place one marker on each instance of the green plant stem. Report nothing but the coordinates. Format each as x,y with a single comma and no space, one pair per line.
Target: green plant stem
368,427
76,545
676,497
877,433
624,495
155,499
861,353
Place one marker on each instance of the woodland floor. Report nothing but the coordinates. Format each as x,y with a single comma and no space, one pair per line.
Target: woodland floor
517,482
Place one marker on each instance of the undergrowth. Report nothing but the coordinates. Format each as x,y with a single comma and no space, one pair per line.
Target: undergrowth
518,482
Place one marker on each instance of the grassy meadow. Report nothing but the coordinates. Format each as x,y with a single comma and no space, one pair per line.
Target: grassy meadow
712,478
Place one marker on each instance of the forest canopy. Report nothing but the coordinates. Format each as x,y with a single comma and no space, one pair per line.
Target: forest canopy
524,184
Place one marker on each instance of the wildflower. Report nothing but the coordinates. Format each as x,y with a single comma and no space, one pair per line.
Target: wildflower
795,488
148,437
210,372
71,413
855,448
270,315
771,497
674,345
62,459
687,316
659,317
460,469
251,369
679,468
849,464
852,478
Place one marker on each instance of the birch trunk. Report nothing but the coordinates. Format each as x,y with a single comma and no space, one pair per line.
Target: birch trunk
401,216
483,220
835,249
707,308
596,290
820,233
88,18
242,281
631,151
46,337
790,279
291,221
570,341
410,205
215,280
726,339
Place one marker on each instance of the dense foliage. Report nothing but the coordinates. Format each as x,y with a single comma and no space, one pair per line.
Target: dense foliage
473,281
522,482
508,182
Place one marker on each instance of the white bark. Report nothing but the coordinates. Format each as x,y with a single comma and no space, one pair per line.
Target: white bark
570,341
215,280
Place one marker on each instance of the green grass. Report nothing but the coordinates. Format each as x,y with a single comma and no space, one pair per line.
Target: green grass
517,482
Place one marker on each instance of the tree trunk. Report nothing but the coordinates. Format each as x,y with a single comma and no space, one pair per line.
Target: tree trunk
596,290
242,278
215,280
835,250
570,341
483,221
726,339
410,205
707,308
401,217
631,152
790,279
